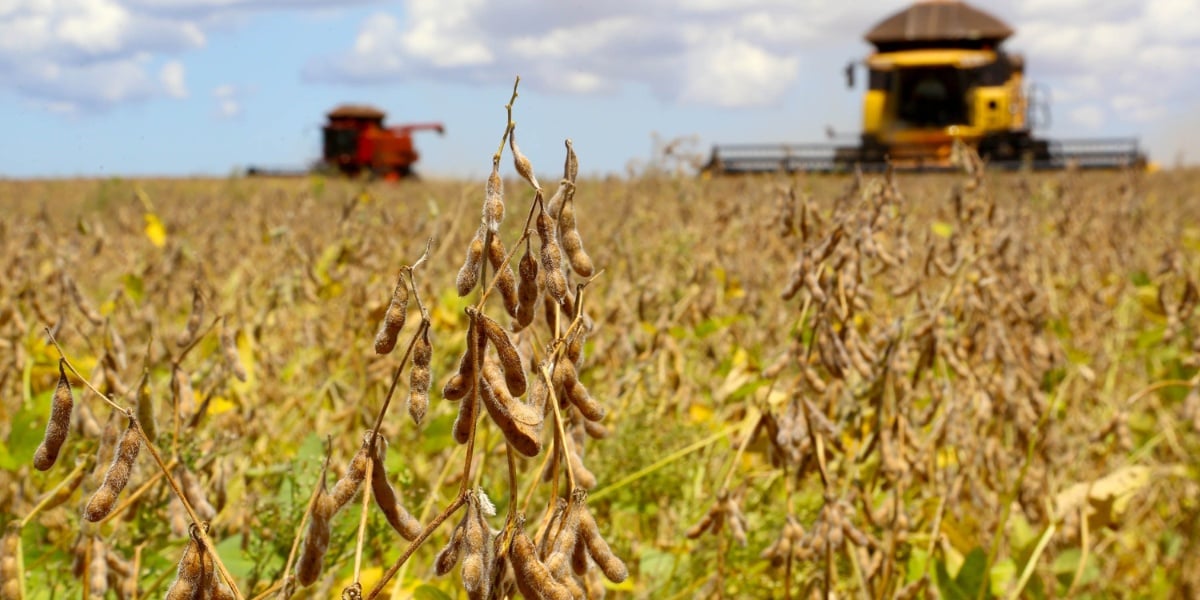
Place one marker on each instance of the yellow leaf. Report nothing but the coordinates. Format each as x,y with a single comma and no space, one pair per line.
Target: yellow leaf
155,230
220,404
245,350
942,229
700,413
741,358
370,576
1107,498
1147,296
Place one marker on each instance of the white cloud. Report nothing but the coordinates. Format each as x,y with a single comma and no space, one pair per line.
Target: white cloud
84,55
1131,60
733,54
1089,116
445,35
733,72
1116,64
172,77
744,53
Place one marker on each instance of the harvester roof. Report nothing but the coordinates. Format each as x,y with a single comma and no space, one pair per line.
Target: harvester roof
933,21
356,111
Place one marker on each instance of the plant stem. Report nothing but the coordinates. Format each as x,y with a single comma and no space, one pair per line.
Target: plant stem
49,497
133,422
362,520
413,545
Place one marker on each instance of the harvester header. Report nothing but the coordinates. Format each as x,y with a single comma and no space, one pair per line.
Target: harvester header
938,76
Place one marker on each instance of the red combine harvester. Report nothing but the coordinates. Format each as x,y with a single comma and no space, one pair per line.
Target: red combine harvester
356,141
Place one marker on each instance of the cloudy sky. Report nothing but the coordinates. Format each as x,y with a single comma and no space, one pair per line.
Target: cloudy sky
136,87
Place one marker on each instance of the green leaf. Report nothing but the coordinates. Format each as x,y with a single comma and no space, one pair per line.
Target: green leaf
973,574
428,592
1003,574
28,428
655,565
917,560
437,435
947,586
230,551
135,287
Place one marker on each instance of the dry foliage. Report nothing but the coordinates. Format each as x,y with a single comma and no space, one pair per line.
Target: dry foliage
884,386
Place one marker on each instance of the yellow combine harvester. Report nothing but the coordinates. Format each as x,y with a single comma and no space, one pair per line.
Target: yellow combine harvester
938,76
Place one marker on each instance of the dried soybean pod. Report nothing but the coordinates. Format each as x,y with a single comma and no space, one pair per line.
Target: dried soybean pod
736,520
579,396
10,565
447,557
539,393
567,379
478,550
595,430
181,389
571,166
190,573
462,382
510,360
522,436
554,204
85,307
584,477
385,496
456,388
393,318
518,411
421,375
468,274
194,319
229,350
520,162
195,494
220,591
346,487
468,411
506,282
612,566
702,525
114,347
57,426
145,410
105,449
105,497
555,281
572,585
593,586
533,578
316,539
527,287
574,351
97,570
567,536
557,514
572,243
493,201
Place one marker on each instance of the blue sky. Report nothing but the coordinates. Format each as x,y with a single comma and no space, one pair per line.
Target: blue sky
179,87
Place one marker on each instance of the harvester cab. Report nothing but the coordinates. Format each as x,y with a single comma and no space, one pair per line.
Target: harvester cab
938,76
356,141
